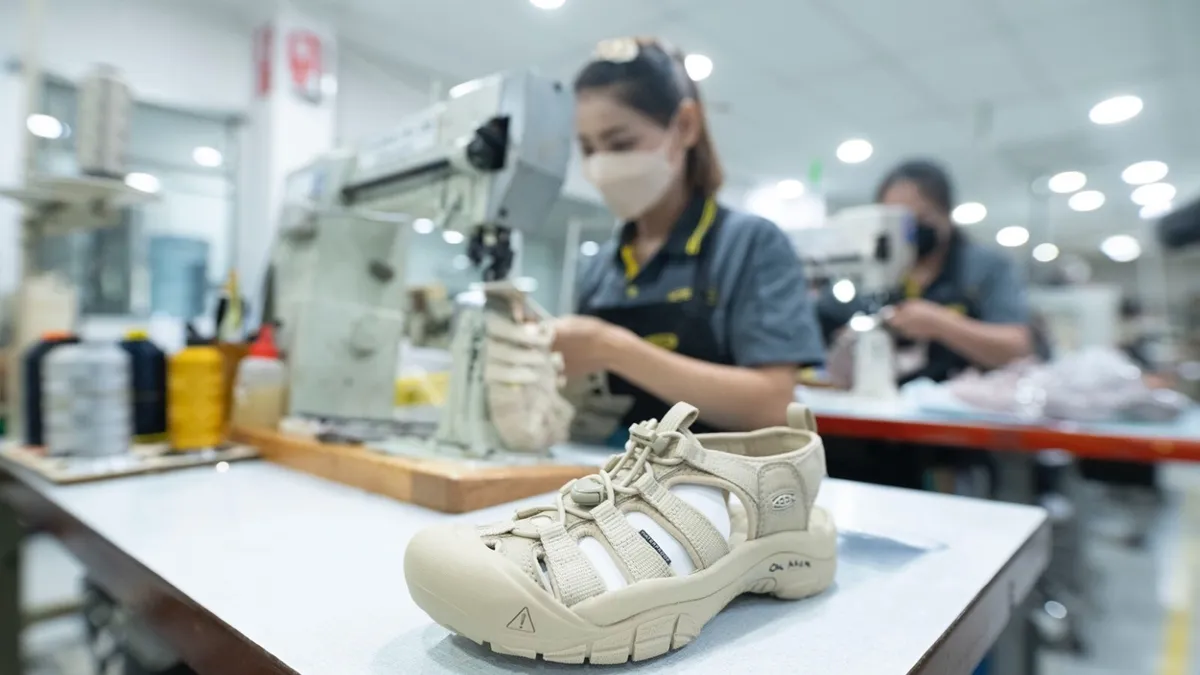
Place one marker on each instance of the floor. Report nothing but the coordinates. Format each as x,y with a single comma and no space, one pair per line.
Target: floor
1138,619
52,576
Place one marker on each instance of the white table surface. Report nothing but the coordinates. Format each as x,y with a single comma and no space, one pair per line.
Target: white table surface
312,572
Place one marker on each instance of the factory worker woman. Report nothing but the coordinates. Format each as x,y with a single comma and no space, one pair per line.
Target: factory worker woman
690,300
963,305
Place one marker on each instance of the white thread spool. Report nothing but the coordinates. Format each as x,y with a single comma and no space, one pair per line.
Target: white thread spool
85,399
102,125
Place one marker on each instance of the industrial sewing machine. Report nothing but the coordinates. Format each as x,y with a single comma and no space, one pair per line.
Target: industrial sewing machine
486,163
865,253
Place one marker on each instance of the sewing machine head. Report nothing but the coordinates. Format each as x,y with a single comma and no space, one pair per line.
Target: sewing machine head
871,246
489,161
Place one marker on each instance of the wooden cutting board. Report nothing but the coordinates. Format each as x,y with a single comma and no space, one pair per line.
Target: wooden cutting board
440,484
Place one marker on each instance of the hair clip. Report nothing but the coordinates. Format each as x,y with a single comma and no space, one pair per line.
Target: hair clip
618,50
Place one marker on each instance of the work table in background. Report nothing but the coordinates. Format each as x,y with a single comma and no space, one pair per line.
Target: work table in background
843,414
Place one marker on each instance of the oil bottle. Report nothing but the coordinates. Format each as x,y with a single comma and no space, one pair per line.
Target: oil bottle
196,396
260,396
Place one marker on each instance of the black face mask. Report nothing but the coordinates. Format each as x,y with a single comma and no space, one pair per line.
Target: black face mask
928,239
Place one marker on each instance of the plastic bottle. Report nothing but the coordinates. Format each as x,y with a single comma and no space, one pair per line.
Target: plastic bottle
33,369
260,396
85,400
148,368
196,397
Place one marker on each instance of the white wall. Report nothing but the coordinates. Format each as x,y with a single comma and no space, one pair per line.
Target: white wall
1175,278
371,98
11,154
175,54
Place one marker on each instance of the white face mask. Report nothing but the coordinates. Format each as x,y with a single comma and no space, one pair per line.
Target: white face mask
630,182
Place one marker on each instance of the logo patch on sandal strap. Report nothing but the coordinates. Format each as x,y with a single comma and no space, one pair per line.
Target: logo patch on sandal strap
783,501
650,540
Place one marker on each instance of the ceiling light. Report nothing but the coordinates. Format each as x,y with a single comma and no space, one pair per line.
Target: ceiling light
589,249
1045,252
1088,200
1141,173
44,126
789,189
855,150
1154,193
1152,211
1121,248
547,4
1116,110
453,237
969,213
465,88
1012,236
207,157
698,66
423,226
844,291
143,182
1067,182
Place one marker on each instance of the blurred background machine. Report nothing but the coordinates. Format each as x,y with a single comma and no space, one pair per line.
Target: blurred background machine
1078,316
490,163
1181,227
863,254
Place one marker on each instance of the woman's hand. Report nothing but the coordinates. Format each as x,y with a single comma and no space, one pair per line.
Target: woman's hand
586,343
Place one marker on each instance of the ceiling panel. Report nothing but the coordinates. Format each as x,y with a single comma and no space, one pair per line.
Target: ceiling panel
1118,43
872,96
792,38
955,73
1019,11
914,26
997,89
502,34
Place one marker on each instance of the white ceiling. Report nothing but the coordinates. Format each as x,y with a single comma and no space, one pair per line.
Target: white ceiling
997,89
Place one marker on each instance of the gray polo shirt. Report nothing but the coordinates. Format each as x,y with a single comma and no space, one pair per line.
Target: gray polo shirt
762,314
980,282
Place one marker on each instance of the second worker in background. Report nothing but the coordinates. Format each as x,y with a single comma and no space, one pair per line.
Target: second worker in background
962,306
690,300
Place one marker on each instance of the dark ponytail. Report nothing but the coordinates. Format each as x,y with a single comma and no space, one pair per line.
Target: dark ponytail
651,78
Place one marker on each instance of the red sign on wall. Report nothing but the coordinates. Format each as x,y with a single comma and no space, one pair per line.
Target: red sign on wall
306,63
263,52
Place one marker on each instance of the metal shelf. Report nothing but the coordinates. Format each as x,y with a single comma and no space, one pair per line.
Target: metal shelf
64,203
